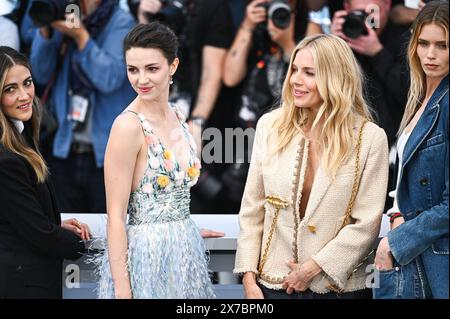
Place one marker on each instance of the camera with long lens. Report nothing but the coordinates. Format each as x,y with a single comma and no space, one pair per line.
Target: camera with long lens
44,12
279,11
355,24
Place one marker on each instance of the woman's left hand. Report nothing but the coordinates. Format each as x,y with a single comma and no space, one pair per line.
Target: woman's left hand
384,259
300,276
81,229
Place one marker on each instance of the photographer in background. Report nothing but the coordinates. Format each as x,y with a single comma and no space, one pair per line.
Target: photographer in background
259,33
259,57
382,54
89,91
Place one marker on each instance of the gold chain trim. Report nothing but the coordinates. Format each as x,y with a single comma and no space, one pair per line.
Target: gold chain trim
348,212
356,179
270,279
279,203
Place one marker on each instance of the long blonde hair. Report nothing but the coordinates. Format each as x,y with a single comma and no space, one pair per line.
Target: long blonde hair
435,12
339,82
10,137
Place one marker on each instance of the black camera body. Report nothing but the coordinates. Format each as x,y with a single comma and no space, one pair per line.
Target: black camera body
44,12
355,24
279,11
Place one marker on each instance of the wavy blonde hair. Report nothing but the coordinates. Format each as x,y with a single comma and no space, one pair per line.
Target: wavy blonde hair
339,82
435,12
10,137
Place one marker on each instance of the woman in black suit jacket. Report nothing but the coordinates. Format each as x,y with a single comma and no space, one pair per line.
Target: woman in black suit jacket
33,241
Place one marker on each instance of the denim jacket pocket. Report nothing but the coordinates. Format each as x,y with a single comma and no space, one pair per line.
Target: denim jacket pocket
401,282
388,284
440,246
432,141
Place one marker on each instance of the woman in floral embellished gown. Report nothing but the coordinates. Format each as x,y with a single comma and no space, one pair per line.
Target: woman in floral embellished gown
150,166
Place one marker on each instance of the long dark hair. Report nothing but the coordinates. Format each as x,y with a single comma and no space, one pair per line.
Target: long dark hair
10,137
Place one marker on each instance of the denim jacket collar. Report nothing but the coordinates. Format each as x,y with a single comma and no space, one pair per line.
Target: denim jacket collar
426,122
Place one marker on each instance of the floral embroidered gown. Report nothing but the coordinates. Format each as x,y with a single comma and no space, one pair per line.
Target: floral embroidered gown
166,254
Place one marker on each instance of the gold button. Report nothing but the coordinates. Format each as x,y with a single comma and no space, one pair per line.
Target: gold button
312,228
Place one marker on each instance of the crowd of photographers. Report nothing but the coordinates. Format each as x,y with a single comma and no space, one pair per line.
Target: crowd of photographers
234,55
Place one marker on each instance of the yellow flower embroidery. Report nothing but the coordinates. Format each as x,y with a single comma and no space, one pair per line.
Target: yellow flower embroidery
163,181
167,155
193,172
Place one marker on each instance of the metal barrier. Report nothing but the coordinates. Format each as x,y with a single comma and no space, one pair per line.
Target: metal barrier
222,254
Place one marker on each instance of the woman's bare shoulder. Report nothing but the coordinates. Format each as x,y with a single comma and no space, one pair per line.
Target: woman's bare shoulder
127,124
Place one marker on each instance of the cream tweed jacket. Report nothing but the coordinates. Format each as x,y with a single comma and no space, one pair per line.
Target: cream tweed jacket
317,235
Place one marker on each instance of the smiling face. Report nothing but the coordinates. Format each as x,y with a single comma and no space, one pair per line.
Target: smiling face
303,81
149,72
432,50
17,94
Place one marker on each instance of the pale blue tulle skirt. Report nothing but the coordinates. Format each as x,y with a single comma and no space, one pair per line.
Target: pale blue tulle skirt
165,261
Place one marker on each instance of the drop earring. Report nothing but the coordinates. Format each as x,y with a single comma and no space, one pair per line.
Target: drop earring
171,80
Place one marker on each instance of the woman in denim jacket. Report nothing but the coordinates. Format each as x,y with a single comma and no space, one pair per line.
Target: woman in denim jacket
413,258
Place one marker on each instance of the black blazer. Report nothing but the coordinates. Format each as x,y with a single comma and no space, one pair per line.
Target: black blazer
32,243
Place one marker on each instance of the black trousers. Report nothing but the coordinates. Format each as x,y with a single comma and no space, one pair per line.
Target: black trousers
308,294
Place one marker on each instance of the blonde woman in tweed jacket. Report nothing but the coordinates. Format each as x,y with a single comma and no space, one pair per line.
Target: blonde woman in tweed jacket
317,182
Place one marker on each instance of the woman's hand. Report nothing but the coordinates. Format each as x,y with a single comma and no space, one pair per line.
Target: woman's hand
384,259
337,23
208,233
251,289
74,28
254,14
80,229
300,276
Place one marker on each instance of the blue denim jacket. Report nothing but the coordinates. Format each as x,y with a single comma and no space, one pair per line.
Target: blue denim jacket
422,196
102,61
